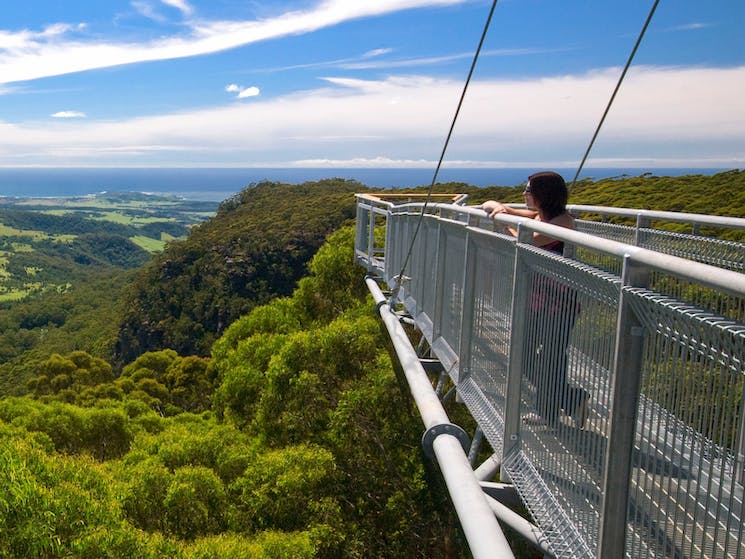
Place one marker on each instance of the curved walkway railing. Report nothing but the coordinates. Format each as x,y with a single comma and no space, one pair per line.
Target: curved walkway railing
610,385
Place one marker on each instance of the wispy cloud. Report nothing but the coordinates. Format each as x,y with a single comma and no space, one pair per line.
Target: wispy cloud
26,55
374,60
376,52
433,60
147,10
68,114
180,5
151,9
661,115
691,26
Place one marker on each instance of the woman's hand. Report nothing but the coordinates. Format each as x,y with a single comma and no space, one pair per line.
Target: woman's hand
492,208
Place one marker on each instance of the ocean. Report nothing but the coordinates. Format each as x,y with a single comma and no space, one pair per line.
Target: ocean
217,184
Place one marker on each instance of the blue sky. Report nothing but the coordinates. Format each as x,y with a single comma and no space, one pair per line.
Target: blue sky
352,83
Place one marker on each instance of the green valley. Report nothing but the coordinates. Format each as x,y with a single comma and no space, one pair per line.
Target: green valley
38,236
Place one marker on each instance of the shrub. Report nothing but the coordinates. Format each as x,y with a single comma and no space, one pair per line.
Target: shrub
194,503
280,488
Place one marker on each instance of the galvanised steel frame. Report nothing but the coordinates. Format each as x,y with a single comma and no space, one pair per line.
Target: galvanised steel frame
635,359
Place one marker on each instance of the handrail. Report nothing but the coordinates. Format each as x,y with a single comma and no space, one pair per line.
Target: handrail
676,217
711,276
726,222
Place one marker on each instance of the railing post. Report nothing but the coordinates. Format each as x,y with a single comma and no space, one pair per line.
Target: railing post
624,394
511,439
642,222
469,301
740,456
371,235
437,288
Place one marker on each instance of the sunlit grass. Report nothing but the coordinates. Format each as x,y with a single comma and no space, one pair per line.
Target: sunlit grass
148,244
6,231
125,219
12,294
22,247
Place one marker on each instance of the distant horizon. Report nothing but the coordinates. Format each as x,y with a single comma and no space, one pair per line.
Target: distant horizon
373,167
214,184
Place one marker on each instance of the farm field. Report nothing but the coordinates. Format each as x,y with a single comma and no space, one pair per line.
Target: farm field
49,243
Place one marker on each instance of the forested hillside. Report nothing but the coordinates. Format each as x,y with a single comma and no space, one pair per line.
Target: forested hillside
294,440
256,248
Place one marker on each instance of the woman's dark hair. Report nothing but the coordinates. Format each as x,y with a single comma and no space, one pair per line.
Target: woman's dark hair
550,193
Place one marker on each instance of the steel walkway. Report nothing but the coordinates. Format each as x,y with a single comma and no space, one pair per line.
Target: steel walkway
655,347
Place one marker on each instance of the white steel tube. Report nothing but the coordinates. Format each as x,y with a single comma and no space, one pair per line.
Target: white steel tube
488,469
480,526
529,531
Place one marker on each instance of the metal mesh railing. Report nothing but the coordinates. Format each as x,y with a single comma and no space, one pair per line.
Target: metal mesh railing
722,253
610,383
690,417
568,343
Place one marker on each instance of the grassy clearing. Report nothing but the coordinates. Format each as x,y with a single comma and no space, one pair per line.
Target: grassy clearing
34,236
58,212
13,294
4,274
21,247
148,244
125,219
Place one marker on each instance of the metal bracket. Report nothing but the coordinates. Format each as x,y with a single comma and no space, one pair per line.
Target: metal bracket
428,439
379,305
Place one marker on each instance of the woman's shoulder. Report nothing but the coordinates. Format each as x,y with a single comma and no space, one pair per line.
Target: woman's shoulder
564,220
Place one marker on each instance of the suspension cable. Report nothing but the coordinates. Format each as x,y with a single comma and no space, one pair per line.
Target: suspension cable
618,86
444,148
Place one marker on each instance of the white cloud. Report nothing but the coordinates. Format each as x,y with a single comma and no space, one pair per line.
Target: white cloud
150,10
366,64
661,117
691,27
243,92
27,56
248,92
68,114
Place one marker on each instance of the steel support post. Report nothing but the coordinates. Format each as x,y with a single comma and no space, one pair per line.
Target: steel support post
642,222
520,286
624,393
469,301
740,456
438,287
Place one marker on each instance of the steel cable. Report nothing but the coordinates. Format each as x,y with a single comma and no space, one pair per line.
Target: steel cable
615,91
444,148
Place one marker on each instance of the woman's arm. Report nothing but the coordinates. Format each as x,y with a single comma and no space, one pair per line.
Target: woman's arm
492,207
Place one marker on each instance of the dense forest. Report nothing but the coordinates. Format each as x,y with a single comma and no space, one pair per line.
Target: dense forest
236,396
256,248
